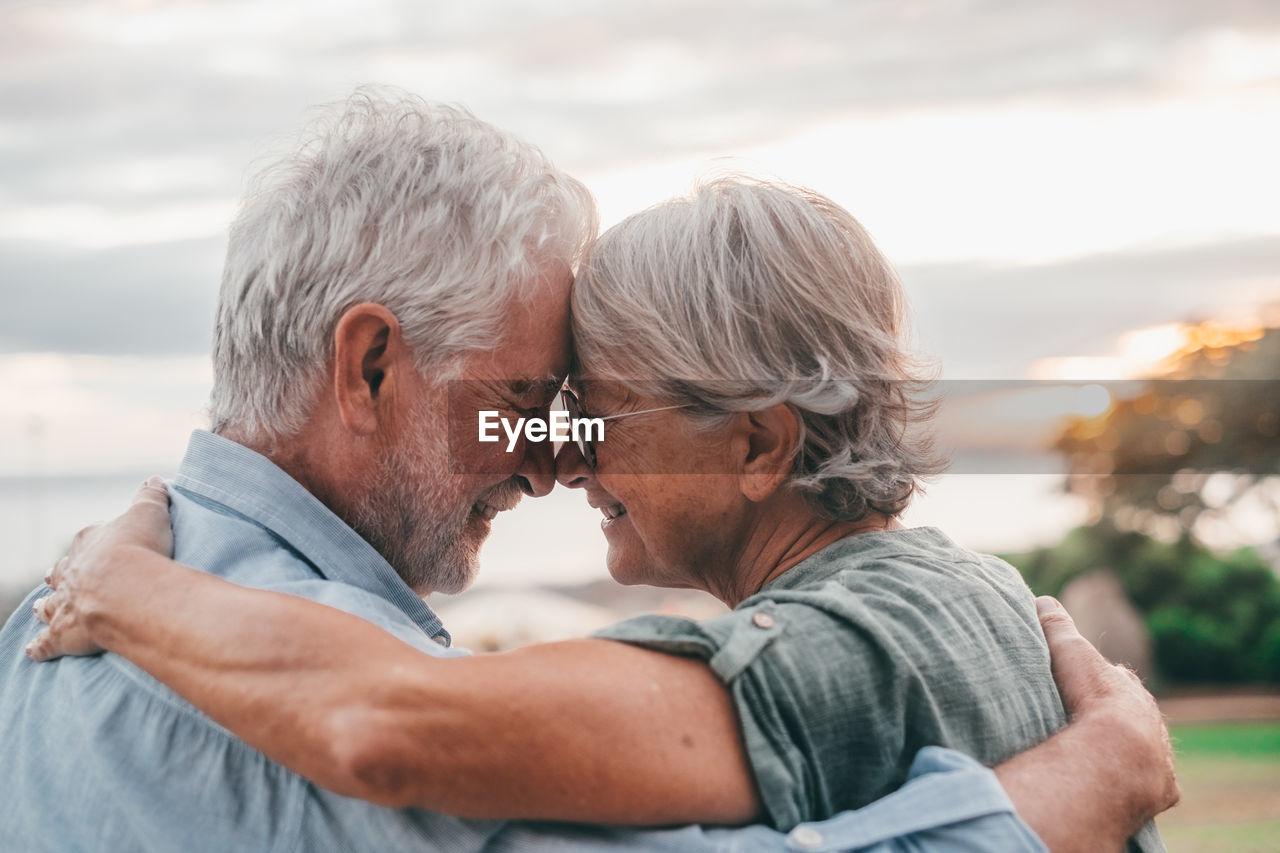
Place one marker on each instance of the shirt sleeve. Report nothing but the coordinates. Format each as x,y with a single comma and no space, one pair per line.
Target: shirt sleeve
950,804
819,700
369,607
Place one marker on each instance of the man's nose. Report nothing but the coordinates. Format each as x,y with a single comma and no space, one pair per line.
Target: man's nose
572,470
537,471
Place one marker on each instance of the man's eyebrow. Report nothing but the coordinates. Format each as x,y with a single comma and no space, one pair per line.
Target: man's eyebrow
544,389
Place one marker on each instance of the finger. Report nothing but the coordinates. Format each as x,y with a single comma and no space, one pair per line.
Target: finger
1065,641
53,577
1078,668
42,647
47,607
153,491
1054,618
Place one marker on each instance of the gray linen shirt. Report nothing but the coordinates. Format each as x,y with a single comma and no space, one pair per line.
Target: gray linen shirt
844,666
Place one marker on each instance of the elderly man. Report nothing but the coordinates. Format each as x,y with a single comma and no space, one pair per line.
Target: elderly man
402,246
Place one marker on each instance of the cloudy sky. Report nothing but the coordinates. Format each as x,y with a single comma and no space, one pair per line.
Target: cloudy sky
1048,176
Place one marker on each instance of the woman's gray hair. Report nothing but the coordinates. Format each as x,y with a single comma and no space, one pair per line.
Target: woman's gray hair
748,294
386,198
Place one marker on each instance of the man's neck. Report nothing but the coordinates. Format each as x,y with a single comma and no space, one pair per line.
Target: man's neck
324,468
311,457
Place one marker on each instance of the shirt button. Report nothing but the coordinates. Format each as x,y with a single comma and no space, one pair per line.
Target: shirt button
439,638
762,620
806,837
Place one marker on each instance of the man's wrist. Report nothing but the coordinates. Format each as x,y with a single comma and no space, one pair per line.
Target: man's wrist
1130,764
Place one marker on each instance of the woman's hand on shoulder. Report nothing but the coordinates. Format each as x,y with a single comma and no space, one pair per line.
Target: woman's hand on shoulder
98,563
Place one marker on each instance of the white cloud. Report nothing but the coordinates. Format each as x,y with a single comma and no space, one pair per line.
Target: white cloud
984,134
1037,181
1031,182
1226,56
89,226
88,414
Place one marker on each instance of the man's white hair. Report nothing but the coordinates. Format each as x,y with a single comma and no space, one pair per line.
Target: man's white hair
751,293
386,198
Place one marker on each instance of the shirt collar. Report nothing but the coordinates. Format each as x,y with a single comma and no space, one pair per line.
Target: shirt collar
251,485
878,544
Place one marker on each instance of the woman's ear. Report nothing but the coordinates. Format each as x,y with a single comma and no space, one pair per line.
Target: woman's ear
765,444
368,353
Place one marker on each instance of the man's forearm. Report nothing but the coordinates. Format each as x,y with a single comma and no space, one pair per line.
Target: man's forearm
1077,789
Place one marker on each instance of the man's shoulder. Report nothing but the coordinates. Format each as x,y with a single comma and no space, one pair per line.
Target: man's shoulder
212,537
98,723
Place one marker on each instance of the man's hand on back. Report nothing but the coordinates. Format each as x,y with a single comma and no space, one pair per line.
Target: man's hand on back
1094,689
1096,782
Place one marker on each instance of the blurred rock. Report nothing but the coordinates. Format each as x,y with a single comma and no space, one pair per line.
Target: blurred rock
1102,612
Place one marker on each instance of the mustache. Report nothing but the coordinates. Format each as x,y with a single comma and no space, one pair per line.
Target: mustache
503,496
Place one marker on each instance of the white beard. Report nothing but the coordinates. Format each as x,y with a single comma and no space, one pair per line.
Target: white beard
410,515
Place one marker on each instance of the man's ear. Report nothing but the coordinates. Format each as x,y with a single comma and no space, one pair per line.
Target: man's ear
764,446
368,353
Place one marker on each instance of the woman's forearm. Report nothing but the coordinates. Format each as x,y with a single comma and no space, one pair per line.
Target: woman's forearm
587,730
269,666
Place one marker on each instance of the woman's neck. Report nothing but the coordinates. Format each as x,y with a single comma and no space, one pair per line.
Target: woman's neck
782,541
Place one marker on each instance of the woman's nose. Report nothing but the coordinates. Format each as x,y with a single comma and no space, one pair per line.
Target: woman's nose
572,470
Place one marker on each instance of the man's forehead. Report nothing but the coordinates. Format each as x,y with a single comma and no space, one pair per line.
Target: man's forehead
533,342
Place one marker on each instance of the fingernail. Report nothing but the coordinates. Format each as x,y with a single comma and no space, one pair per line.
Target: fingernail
1047,604
155,483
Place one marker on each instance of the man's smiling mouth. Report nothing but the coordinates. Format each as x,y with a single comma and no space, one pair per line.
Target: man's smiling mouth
498,499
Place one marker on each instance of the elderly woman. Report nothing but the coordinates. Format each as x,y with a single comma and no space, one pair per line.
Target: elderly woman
745,347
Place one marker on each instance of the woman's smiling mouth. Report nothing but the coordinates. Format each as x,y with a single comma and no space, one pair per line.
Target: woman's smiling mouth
612,512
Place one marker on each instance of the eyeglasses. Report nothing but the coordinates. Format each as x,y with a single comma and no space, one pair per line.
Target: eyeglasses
587,445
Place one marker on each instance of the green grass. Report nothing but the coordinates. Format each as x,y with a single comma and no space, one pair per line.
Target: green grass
1261,836
1230,779
1239,740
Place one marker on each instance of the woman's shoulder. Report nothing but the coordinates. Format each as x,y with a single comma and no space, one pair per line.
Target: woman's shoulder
904,600
888,575
909,636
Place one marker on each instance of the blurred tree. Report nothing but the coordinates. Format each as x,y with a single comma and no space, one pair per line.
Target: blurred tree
1193,444
1212,617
